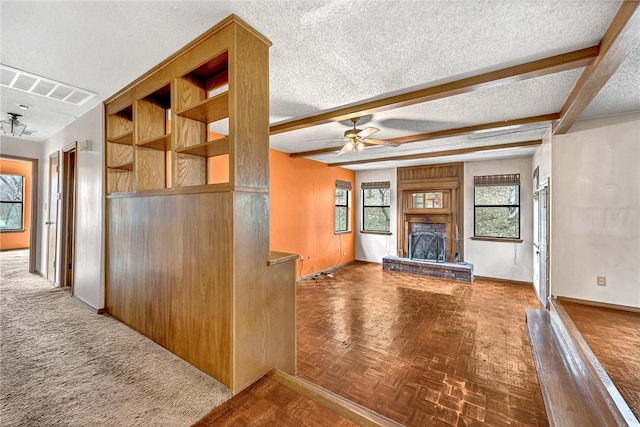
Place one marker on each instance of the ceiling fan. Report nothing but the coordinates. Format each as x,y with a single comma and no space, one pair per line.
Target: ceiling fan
356,139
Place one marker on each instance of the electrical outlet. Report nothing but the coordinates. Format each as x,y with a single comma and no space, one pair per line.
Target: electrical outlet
602,281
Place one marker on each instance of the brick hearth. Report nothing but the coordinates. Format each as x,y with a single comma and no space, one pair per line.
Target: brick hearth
444,270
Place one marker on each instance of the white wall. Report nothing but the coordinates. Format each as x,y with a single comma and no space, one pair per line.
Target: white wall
33,150
503,260
89,235
372,247
596,211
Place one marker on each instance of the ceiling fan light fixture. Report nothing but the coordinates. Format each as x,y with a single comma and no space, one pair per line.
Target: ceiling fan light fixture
13,126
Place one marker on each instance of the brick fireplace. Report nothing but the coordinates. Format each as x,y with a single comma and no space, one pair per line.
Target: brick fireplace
429,218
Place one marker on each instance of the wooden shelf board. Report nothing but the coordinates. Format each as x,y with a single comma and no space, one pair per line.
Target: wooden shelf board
209,110
124,139
127,166
213,148
160,143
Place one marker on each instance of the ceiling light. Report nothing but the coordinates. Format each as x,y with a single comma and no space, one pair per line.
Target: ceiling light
498,128
13,126
23,106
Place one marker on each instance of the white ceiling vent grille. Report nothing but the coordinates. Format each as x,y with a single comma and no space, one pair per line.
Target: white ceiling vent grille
27,82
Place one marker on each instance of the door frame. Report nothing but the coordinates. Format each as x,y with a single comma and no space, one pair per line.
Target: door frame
545,185
33,232
68,221
48,222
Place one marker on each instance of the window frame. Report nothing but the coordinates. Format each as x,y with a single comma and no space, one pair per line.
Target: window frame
342,186
492,181
12,202
375,186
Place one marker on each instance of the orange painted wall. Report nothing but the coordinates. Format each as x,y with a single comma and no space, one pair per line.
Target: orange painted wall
302,199
20,240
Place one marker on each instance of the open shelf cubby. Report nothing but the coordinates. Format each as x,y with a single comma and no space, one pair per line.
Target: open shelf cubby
203,103
153,139
120,150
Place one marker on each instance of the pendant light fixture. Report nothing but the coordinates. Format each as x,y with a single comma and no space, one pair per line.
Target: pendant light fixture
13,126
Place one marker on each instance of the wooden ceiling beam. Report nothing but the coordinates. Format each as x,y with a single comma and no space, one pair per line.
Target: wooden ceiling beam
620,39
541,67
444,153
443,133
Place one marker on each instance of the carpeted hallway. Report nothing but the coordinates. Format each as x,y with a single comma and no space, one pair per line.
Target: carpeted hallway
63,365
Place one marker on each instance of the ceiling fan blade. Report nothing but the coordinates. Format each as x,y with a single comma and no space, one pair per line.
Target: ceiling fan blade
328,140
347,147
381,142
367,131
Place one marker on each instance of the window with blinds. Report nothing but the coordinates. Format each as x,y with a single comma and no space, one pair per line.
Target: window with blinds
342,203
497,206
376,206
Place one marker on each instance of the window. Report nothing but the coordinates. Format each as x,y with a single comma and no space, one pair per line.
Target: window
427,200
343,196
497,206
11,196
376,206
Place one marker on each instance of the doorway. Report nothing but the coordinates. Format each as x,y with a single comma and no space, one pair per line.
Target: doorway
68,215
52,218
32,197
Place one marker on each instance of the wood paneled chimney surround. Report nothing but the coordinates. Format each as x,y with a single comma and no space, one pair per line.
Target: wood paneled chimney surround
188,261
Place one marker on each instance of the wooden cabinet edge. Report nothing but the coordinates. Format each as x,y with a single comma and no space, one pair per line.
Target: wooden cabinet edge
280,257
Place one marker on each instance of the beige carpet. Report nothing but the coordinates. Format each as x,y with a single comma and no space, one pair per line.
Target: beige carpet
63,365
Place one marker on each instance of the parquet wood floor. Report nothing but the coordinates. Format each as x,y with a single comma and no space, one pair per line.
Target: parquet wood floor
269,403
614,337
421,351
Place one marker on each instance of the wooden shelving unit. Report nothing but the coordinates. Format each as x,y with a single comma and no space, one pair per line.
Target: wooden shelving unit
119,123
188,210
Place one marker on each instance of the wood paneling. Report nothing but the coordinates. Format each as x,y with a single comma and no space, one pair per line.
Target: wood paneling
180,298
149,169
150,120
190,170
448,178
119,181
249,110
118,154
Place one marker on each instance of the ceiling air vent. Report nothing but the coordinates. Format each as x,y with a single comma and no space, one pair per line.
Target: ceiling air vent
27,82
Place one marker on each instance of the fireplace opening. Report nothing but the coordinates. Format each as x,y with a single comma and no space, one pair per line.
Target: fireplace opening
427,246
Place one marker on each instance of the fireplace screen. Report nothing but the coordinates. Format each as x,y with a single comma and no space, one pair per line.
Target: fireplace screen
427,246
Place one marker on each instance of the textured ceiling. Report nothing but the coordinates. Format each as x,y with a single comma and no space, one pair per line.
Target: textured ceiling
326,54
